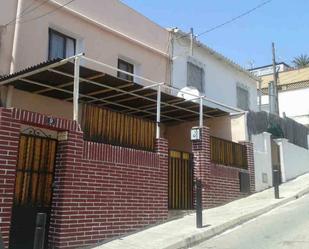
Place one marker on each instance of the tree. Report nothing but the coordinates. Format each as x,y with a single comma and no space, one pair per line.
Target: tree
301,61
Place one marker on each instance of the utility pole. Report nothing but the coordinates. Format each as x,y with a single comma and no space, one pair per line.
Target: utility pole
191,41
275,75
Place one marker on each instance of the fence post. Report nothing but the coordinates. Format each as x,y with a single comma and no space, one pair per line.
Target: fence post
199,205
276,183
39,236
1,241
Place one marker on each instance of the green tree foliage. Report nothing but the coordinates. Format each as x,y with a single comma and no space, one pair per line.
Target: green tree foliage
301,61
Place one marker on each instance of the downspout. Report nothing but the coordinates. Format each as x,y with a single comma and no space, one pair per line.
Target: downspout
16,36
260,95
171,57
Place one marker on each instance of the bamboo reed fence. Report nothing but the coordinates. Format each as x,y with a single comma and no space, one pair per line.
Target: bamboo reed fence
106,126
228,153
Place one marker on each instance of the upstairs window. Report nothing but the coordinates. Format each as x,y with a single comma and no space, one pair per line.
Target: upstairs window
125,66
242,98
195,76
60,45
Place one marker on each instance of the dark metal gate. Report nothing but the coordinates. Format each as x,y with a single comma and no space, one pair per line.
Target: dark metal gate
180,180
275,159
33,188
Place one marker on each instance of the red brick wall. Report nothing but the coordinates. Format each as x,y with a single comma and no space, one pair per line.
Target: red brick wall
101,191
9,139
105,191
220,183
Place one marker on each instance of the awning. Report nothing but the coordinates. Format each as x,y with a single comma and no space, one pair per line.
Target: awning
56,79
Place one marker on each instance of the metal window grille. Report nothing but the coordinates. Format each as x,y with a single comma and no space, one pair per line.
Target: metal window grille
195,76
242,98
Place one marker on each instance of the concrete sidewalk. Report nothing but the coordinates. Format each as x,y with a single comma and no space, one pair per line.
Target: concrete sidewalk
182,233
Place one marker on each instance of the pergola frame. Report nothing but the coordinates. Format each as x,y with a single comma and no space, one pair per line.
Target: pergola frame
148,110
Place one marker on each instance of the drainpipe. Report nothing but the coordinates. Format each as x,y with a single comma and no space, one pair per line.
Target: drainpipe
16,36
260,95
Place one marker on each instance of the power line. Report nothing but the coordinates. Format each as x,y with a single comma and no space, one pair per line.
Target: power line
26,12
235,18
49,12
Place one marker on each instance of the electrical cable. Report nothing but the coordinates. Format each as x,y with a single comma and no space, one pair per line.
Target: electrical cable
234,19
26,12
229,21
49,12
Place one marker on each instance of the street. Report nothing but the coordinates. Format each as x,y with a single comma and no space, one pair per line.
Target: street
285,228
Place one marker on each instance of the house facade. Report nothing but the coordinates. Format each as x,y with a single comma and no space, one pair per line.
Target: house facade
216,73
133,43
93,135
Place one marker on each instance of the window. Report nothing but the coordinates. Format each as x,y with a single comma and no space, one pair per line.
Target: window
242,98
125,66
195,76
60,45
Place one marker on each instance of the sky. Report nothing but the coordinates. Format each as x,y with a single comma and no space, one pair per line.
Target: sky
247,41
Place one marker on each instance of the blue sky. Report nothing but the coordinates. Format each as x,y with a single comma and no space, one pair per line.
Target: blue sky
285,22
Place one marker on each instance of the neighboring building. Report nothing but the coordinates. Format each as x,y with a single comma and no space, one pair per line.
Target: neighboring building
268,69
214,75
293,94
93,148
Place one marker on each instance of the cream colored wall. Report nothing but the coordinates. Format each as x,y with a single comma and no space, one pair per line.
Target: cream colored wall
232,128
41,104
7,13
97,42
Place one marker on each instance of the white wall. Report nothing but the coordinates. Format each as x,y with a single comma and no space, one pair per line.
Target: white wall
262,161
294,159
221,78
295,104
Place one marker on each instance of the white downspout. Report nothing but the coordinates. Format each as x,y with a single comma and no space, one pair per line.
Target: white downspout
16,36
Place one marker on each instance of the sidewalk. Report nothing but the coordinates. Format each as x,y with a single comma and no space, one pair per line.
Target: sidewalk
182,233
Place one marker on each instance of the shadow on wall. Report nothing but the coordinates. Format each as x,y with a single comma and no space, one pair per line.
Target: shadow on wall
232,128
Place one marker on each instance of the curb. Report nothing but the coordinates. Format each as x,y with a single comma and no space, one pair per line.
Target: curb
198,238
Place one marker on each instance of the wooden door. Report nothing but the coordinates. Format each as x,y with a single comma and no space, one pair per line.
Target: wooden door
180,180
33,188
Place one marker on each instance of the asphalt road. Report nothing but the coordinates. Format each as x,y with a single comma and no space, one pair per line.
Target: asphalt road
286,227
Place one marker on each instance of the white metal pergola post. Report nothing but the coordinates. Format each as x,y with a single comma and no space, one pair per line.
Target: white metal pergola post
76,88
201,113
158,112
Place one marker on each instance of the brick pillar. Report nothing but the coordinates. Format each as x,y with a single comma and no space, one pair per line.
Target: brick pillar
161,148
250,160
64,227
202,157
9,140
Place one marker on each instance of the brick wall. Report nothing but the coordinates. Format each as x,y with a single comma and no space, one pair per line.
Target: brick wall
9,139
101,191
105,191
220,183
250,159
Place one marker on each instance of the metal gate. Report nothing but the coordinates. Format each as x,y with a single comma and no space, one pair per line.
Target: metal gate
33,188
275,159
180,180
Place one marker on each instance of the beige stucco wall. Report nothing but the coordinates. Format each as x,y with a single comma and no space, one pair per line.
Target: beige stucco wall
41,104
7,13
112,30
232,128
